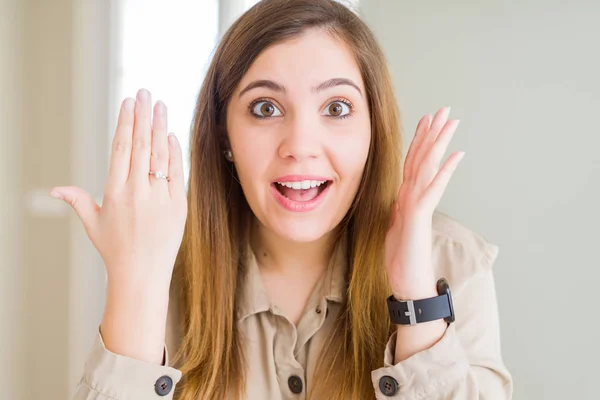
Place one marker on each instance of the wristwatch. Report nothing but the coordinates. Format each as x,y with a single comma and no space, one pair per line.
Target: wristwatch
412,312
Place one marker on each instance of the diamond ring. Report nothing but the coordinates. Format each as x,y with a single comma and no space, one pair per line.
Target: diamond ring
159,175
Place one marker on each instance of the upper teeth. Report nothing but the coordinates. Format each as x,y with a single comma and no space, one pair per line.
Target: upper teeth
302,184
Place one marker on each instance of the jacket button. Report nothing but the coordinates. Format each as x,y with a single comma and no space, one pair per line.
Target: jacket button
163,385
388,386
295,384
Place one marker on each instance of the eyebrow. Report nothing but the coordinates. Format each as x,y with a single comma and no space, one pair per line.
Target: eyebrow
276,87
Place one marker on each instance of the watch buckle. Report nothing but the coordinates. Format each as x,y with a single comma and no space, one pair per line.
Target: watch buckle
411,312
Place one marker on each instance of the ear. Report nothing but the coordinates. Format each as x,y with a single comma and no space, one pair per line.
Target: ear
223,138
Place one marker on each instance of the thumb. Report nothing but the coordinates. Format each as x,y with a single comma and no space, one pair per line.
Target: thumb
84,205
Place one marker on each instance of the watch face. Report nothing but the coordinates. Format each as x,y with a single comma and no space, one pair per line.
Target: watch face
444,288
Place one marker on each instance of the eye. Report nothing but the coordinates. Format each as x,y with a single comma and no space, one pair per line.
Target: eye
338,109
264,109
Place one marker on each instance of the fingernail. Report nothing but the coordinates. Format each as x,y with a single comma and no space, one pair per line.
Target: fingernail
160,108
142,94
56,195
461,155
129,104
172,139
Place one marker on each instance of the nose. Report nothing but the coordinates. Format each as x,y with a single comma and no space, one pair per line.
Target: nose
301,139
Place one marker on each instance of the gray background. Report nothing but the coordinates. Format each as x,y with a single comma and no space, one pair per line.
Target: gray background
524,78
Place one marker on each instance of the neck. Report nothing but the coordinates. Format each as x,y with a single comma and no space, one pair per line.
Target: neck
278,255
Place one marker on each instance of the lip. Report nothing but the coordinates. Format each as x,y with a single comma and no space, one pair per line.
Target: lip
299,206
298,178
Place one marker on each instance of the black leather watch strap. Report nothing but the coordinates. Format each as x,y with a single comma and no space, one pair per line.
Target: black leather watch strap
412,312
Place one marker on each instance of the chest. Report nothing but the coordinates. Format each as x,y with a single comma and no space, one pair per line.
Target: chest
282,357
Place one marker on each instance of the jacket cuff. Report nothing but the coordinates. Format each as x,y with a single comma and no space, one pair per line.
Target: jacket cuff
121,377
422,374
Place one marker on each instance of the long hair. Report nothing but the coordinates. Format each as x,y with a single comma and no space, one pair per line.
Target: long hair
210,262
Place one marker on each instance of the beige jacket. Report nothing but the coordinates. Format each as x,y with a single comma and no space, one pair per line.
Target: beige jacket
465,364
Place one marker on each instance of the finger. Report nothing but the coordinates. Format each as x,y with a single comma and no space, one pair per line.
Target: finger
422,128
431,163
159,157
176,179
84,205
436,189
142,139
120,157
436,125
443,140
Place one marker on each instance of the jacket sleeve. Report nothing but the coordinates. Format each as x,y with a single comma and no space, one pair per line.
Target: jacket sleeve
466,363
109,376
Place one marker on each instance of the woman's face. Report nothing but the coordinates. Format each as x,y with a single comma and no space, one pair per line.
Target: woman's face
299,129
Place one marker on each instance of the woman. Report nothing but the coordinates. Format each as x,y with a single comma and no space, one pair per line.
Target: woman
299,230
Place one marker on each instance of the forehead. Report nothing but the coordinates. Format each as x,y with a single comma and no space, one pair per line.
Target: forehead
304,61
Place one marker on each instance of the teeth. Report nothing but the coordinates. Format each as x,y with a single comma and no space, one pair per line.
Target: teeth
307,184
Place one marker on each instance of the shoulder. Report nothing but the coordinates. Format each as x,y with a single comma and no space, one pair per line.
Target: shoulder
459,253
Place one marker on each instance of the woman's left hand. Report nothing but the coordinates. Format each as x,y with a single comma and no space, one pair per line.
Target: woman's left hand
408,247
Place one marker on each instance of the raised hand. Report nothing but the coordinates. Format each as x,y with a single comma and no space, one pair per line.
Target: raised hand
408,247
139,228
408,243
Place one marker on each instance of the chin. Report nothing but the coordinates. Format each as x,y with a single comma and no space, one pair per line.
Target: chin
309,230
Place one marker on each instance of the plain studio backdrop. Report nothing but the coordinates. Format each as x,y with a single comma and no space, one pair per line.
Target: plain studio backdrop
523,77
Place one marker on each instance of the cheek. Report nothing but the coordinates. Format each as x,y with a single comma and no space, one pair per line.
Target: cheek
250,168
251,154
252,159
249,140
349,156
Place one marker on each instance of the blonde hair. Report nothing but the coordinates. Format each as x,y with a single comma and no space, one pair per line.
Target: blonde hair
209,265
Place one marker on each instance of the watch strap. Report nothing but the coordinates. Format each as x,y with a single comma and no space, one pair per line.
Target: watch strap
412,312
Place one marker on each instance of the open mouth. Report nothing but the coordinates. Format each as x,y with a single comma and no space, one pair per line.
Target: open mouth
300,195
302,191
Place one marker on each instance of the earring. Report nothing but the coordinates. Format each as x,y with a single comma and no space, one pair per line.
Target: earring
228,155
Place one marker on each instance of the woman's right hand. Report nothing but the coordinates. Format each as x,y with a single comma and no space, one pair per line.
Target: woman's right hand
139,228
